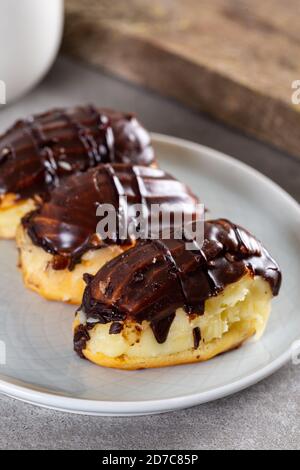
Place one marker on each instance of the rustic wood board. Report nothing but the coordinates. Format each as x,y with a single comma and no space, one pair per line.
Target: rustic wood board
234,59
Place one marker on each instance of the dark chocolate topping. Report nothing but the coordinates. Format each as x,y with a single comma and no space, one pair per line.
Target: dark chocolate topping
65,225
196,337
170,276
81,336
162,327
36,153
115,328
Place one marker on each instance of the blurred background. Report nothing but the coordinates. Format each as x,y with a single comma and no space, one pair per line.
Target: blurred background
213,71
234,59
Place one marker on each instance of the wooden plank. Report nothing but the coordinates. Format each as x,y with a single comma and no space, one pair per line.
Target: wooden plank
234,59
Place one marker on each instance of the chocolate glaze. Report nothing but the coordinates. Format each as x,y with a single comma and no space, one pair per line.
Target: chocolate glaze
196,337
162,327
38,152
81,336
115,328
65,225
153,279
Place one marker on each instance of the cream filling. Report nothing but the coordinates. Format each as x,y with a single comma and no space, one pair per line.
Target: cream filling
246,301
11,213
64,285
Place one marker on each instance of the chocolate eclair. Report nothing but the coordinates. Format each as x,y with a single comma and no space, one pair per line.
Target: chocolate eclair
37,153
59,241
164,302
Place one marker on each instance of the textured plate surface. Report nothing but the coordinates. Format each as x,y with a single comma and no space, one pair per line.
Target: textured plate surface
41,367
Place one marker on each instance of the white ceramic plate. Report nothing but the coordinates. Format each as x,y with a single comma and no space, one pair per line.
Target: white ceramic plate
41,367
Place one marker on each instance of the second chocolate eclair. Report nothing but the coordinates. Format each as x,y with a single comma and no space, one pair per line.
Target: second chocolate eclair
58,242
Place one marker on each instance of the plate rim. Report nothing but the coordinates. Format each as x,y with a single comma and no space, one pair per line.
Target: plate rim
143,407
136,408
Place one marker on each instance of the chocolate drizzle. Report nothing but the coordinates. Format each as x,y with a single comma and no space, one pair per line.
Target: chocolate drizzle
115,328
174,267
38,152
196,337
172,277
162,327
65,225
81,336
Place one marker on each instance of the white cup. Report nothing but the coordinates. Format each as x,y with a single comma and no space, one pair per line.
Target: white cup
30,35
